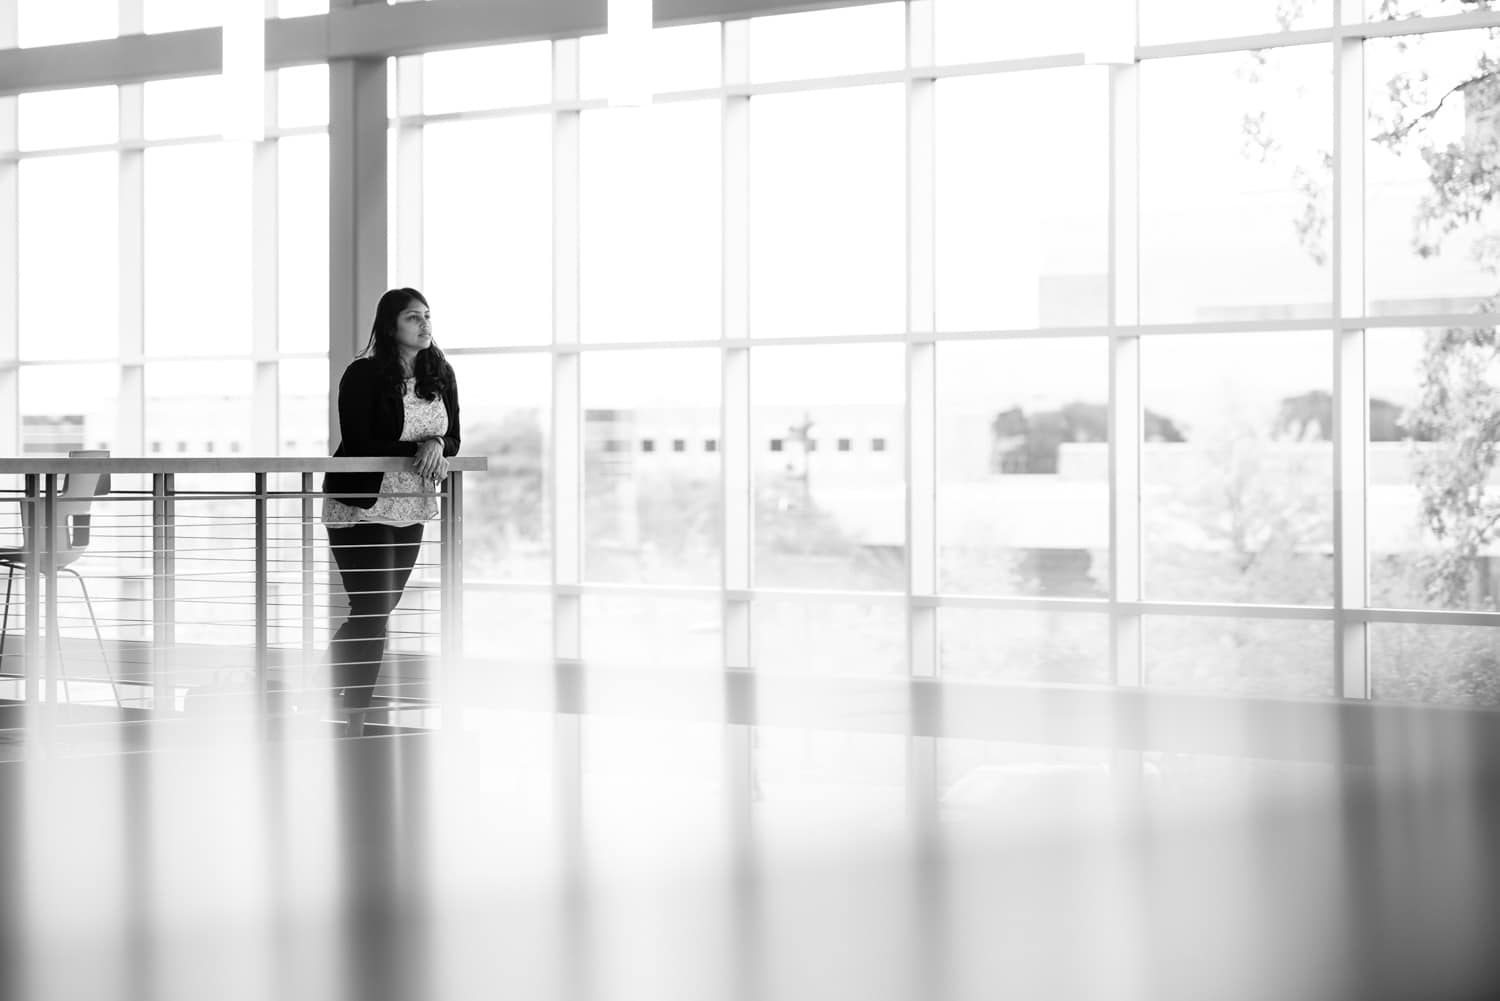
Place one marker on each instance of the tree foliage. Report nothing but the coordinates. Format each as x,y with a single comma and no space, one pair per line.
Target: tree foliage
1453,428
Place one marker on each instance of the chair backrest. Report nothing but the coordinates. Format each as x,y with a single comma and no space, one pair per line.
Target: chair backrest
75,498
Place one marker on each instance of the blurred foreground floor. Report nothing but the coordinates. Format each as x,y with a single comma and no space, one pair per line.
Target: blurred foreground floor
476,865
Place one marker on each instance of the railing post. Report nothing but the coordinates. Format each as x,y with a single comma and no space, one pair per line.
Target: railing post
163,591
262,598
49,568
33,542
309,579
452,591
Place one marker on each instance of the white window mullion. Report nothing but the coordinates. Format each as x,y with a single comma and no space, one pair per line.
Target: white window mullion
1350,407
921,401
407,253
921,355
265,410
10,256
567,436
130,406
734,425
735,456
1125,374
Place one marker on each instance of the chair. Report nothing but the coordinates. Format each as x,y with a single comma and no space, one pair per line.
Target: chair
70,541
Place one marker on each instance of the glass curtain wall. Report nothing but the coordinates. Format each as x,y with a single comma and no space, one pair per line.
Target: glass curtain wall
147,248
906,339
852,336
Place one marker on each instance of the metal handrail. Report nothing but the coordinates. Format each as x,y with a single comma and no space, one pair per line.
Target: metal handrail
41,491
231,464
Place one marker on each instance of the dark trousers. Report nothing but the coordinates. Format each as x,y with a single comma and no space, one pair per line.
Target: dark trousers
375,562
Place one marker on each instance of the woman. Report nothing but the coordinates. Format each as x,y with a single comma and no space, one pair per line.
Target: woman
398,398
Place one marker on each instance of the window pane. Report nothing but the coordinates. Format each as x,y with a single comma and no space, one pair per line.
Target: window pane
864,39
507,627
1022,239
827,454
47,22
180,15
52,119
1239,656
650,223
487,230
189,106
685,57
198,249
1453,665
488,76
1430,216
652,632
506,411
1434,493
198,408
1047,647
67,407
1235,178
302,243
302,389
69,257
865,638
1181,20
302,96
1023,467
651,513
828,196
1237,470
969,31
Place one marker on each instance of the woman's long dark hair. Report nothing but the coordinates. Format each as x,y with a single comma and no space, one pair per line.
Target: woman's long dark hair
434,374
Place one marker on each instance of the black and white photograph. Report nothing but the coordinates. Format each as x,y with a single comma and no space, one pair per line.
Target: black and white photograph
750,500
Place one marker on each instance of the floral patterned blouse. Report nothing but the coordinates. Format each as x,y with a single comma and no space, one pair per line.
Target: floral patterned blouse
405,498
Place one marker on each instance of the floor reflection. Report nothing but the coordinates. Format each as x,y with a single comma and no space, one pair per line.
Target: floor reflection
529,856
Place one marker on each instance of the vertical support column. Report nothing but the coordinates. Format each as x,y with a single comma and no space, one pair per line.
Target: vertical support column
309,577
10,254
406,231
31,510
357,165
567,436
52,639
262,597
1125,376
451,582
265,409
163,592
734,423
1350,393
130,404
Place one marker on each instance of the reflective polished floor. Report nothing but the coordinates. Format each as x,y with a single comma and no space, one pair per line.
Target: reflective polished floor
505,860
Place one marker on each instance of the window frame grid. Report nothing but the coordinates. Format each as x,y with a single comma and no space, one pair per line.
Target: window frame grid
1348,615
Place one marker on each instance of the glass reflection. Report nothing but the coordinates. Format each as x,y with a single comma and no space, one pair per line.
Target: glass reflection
828,465
1232,208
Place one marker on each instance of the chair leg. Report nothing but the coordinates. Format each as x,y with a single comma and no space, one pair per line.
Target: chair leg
98,636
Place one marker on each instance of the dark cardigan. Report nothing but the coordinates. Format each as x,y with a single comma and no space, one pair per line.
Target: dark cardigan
370,423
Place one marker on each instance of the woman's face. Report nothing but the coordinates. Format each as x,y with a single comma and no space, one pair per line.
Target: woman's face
413,327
